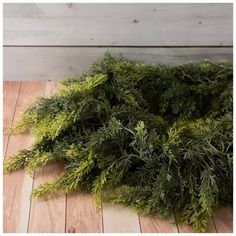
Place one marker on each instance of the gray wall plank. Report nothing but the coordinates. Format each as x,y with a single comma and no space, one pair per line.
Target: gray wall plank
118,24
53,63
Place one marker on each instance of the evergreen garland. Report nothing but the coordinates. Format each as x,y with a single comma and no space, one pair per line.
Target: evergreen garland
156,138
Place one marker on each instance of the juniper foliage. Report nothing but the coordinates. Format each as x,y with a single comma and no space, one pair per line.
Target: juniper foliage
156,138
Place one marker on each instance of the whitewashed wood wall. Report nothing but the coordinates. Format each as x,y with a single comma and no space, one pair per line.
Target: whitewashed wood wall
51,41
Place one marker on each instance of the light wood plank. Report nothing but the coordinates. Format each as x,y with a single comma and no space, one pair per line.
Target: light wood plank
82,215
223,219
47,216
80,202
58,63
5,142
118,24
52,87
10,94
119,219
189,229
52,212
29,91
17,186
150,224
16,190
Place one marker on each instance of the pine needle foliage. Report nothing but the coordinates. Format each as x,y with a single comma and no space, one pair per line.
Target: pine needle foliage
156,138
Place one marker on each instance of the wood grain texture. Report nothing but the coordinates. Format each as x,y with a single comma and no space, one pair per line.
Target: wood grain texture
82,215
150,224
17,186
29,91
189,229
58,63
16,190
118,24
51,87
223,219
10,94
119,219
5,142
48,216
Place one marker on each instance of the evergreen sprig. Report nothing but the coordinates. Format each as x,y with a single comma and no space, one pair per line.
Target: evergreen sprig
156,138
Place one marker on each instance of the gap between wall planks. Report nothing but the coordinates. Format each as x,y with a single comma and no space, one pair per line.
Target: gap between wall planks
17,186
59,62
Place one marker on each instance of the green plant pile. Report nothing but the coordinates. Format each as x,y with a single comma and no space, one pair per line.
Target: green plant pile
156,138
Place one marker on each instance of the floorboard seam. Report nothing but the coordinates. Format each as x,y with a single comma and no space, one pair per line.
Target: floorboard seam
12,119
102,218
65,213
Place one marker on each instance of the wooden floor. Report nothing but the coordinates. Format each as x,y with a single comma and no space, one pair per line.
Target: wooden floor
72,212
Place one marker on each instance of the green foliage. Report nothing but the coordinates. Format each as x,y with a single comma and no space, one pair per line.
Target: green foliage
156,138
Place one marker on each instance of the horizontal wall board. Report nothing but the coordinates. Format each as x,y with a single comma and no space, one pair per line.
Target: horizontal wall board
34,63
147,24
